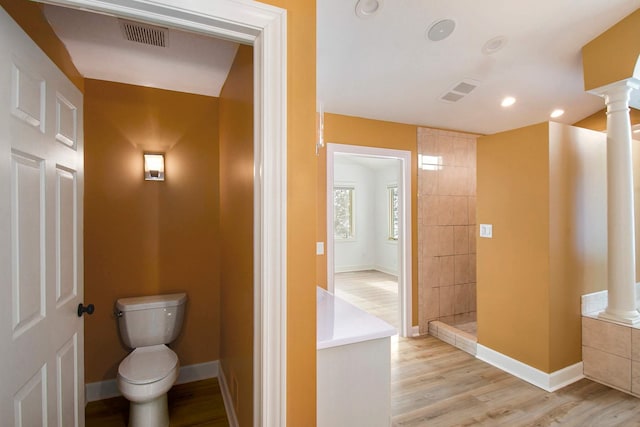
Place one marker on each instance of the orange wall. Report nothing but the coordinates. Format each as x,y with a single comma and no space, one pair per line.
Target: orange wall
373,133
29,16
613,55
301,210
143,237
577,233
513,266
236,228
543,188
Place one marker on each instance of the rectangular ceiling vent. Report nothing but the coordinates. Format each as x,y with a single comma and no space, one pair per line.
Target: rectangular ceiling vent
459,90
144,33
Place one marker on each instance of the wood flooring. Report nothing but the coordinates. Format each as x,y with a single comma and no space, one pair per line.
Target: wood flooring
372,291
433,384
193,404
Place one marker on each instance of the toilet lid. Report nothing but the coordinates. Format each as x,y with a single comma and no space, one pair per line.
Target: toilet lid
148,364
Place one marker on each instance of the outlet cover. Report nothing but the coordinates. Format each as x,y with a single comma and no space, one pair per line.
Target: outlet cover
486,231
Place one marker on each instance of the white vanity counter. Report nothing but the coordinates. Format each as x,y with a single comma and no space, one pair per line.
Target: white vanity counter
353,365
340,323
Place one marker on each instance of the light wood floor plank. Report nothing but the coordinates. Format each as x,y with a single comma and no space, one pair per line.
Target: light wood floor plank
193,404
437,385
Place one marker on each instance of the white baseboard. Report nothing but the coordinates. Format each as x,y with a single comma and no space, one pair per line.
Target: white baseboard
548,382
100,390
197,372
350,268
228,401
415,331
386,270
109,388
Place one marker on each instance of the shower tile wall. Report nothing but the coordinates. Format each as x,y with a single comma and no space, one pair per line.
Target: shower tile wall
446,227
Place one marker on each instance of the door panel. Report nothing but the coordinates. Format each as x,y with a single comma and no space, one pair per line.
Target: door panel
41,275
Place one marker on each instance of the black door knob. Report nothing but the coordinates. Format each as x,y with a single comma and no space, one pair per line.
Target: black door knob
88,309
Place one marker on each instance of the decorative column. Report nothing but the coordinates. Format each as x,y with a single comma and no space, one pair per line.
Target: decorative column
621,241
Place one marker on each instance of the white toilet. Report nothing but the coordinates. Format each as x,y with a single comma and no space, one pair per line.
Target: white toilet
145,376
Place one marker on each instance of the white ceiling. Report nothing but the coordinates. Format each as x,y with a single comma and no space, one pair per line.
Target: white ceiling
368,162
383,67
190,63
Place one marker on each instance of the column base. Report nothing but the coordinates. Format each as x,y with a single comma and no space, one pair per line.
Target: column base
626,317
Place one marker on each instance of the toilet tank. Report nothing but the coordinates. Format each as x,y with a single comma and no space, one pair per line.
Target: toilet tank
150,320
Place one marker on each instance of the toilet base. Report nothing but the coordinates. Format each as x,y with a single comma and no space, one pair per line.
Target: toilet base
154,413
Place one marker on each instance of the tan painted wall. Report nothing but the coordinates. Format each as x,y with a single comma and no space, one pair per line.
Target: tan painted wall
236,232
150,237
613,55
29,16
373,133
577,233
513,266
543,188
302,210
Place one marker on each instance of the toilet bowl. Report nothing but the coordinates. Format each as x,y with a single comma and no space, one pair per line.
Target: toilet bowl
144,378
146,375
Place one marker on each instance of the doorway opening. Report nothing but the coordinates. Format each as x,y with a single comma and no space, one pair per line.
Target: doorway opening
263,27
369,230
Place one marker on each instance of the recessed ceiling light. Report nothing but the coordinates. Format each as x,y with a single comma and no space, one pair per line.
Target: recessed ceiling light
368,8
440,30
557,113
508,101
493,45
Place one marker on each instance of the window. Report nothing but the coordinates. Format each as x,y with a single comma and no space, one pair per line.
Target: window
393,212
343,212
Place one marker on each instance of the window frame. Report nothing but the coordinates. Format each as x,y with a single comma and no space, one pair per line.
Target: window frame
352,212
393,221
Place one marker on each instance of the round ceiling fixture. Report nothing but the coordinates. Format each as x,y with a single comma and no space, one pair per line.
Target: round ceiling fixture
368,8
440,30
493,45
508,101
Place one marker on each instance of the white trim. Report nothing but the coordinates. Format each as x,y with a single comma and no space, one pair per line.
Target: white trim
228,400
415,331
404,239
198,371
264,27
350,268
101,390
548,382
107,389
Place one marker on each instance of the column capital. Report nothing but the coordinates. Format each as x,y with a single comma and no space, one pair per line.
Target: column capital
620,87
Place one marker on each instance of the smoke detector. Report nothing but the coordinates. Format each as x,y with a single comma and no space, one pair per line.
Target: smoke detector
144,33
493,45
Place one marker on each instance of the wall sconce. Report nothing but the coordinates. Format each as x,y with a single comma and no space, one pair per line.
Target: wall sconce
153,167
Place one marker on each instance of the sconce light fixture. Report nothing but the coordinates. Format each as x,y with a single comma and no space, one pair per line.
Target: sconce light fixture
153,167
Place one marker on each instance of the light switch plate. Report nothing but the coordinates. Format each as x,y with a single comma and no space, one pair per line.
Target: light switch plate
486,230
319,248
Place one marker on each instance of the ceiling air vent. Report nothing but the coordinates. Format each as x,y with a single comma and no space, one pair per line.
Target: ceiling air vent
459,90
144,33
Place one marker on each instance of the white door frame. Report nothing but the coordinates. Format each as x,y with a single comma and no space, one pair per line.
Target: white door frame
265,28
404,223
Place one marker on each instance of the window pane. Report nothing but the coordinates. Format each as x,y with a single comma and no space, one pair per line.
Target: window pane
343,212
393,212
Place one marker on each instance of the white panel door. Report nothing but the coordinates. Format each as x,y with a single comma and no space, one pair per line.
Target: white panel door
41,276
